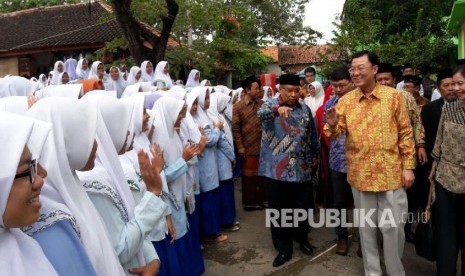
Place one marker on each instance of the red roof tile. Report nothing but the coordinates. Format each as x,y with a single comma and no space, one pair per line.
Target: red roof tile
271,52
299,54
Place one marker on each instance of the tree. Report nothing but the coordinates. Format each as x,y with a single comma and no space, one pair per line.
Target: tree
398,31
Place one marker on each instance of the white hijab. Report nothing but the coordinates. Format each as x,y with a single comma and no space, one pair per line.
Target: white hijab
67,150
117,85
93,70
80,73
42,83
201,117
191,82
190,129
64,90
166,111
315,102
160,75
22,255
132,75
70,68
130,90
218,105
265,93
16,86
145,76
55,78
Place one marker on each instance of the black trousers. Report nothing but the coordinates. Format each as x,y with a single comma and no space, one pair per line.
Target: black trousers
289,195
342,196
449,230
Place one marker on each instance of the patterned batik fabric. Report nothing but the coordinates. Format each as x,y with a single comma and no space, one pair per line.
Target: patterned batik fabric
449,149
289,145
337,150
379,141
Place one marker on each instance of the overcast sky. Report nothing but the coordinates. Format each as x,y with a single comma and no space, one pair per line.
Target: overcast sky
319,14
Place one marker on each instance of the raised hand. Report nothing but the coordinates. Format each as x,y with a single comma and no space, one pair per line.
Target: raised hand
331,117
158,161
150,176
284,111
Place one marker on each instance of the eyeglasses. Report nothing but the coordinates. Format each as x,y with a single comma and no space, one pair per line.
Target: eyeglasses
361,68
31,172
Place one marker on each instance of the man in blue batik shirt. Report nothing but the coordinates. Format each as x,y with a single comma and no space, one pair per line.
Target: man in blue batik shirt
288,150
342,193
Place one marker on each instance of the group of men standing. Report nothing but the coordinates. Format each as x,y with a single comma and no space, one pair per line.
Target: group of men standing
378,147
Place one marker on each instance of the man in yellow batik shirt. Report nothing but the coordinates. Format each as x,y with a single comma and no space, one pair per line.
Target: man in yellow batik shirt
380,154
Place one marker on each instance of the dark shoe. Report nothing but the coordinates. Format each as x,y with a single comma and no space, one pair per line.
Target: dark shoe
252,207
359,251
306,248
409,236
281,259
342,247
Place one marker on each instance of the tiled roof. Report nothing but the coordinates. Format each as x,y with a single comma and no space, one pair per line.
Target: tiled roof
66,25
270,51
305,54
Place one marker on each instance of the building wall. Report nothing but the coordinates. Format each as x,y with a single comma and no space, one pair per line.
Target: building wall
273,68
9,66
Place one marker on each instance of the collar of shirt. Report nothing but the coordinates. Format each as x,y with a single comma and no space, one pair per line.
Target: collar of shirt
248,100
376,93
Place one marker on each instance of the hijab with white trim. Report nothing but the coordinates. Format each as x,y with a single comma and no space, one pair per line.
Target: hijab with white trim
16,86
23,255
67,150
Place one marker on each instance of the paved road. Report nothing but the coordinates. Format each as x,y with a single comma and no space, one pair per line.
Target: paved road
250,252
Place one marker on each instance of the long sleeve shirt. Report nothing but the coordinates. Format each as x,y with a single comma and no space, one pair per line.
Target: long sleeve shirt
246,126
449,149
415,119
208,165
337,148
225,157
289,145
379,142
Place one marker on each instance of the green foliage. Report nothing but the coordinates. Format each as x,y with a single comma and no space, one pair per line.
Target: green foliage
398,31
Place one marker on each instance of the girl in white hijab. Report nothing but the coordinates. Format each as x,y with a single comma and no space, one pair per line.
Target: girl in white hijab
97,71
267,93
147,71
128,221
115,82
162,78
225,158
42,81
205,83
70,68
63,78
72,147
169,113
19,200
56,230
57,69
315,99
193,79
134,75
82,69
209,179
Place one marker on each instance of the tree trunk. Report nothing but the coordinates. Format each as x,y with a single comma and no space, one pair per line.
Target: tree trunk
136,33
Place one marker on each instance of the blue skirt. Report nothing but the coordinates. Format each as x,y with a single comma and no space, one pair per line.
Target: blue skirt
227,202
174,258
197,264
237,170
210,216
